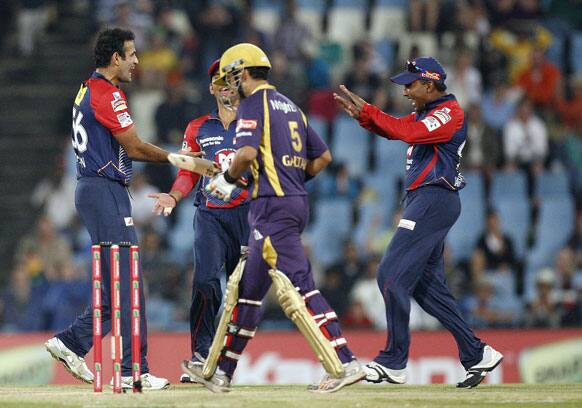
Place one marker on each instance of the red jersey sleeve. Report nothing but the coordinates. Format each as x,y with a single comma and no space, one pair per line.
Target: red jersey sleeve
186,180
110,107
438,126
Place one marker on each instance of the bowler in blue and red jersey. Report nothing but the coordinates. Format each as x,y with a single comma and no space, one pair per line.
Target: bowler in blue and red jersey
413,264
105,142
273,139
221,228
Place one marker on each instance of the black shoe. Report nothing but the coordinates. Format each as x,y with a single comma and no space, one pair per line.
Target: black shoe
475,374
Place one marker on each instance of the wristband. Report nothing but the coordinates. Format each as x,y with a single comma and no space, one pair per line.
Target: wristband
228,178
175,199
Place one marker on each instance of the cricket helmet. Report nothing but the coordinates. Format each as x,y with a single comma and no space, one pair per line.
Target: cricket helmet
236,59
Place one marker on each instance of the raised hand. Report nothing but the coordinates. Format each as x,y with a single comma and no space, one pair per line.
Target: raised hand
351,103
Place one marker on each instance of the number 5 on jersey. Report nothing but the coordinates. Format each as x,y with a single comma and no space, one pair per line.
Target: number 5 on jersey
295,136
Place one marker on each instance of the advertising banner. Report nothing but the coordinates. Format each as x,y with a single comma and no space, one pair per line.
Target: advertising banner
531,356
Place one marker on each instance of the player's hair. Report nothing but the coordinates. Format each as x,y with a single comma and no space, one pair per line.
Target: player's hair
108,43
258,72
441,87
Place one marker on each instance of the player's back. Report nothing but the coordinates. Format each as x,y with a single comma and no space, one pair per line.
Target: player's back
272,123
100,110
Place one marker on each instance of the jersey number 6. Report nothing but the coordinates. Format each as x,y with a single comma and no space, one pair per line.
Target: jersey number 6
80,138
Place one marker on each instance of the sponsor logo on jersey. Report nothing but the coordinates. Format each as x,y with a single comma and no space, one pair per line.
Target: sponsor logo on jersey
224,158
437,118
246,124
118,103
284,107
257,235
408,224
128,221
435,76
431,123
124,119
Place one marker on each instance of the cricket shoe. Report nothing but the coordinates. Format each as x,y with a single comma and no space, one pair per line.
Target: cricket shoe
377,373
353,372
185,378
475,374
148,383
219,382
73,363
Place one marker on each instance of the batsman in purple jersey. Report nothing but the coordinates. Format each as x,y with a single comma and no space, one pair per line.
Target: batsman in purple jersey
274,139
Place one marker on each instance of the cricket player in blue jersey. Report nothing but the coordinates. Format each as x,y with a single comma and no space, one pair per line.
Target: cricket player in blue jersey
275,140
413,263
221,228
105,142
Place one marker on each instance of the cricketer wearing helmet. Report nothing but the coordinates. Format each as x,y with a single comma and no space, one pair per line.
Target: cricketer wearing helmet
274,140
221,228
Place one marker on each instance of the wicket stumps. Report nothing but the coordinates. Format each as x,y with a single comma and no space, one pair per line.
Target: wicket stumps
115,312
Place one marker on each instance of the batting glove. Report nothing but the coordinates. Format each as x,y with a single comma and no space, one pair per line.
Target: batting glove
219,186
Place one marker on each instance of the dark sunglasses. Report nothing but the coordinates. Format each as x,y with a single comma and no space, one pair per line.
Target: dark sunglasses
411,67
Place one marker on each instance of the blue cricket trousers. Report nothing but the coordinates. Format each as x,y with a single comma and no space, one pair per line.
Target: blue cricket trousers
413,265
219,234
105,210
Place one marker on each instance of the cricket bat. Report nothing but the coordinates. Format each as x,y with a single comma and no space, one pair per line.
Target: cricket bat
194,164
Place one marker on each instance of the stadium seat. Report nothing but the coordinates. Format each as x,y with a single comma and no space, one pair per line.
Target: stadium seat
332,225
555,224
375,211
515,220
464,234
508,186
426,42
390,156
387,49
552,184
266,15
385,186
347,22
388,20
350,145
576,52
320,126
311,13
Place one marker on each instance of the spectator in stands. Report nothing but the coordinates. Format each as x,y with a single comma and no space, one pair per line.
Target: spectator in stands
494,251
484,310
292,37
174,113
569,108
525,140
498,105
545,309
540,81
157,62
573,312
251,34
332,290
355,317
575,240
349,269
289,79
55,195
136,16
44,248
518,45
339,183
363,81
564,274
464,80
471,16
18,306
65,296
31,20
423,15
483,150
366,293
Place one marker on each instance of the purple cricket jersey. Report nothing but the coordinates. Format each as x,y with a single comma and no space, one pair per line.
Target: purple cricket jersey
276,127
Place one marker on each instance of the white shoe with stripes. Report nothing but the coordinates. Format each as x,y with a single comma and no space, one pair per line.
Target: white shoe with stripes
219,382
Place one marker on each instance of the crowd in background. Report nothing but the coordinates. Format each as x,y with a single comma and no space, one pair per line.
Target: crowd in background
514,66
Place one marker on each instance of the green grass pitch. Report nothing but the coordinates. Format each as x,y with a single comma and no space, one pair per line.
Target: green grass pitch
362,396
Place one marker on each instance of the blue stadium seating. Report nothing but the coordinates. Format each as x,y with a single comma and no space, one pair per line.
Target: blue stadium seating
576,52
390,156
508,186
320,126
350,145
370,213
466,231
332,225
552,184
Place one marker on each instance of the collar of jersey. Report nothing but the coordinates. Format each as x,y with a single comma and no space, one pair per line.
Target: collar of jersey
101,76
261,87
429,106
